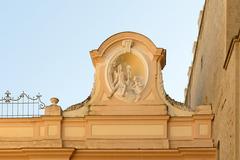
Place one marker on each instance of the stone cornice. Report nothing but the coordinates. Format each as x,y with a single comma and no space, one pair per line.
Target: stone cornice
234,40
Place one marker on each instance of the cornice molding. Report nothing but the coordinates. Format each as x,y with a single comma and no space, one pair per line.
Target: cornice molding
234,40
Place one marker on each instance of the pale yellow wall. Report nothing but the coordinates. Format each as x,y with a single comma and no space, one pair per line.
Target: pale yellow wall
107,132
107,137
210,83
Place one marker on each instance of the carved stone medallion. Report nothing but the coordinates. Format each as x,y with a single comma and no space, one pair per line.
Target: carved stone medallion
127,74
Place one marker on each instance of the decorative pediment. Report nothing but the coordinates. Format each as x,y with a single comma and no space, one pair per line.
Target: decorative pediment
127,41
128,79
127,65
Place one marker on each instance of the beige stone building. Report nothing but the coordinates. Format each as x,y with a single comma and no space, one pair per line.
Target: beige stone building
129,116
214,74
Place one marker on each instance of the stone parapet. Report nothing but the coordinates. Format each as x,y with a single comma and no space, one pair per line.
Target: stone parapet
105,132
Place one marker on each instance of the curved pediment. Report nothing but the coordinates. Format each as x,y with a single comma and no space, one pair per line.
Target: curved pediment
118,38
126,64
128,79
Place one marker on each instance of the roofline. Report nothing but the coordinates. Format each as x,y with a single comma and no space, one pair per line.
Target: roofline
131,32
195,52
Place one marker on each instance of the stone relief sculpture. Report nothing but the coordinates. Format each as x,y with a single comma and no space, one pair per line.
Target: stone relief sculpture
119,83
124,82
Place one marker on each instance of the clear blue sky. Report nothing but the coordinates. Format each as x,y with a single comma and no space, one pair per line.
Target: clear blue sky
45,44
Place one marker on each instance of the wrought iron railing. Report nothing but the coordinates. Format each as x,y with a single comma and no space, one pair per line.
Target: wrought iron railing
23,106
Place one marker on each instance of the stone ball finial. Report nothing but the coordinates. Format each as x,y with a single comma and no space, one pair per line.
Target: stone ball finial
54,100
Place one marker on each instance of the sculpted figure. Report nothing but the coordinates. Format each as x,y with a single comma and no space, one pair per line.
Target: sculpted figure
119,81
124,83
137,86
129,75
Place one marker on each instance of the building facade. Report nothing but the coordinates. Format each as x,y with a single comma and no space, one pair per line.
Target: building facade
128,115
214,74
